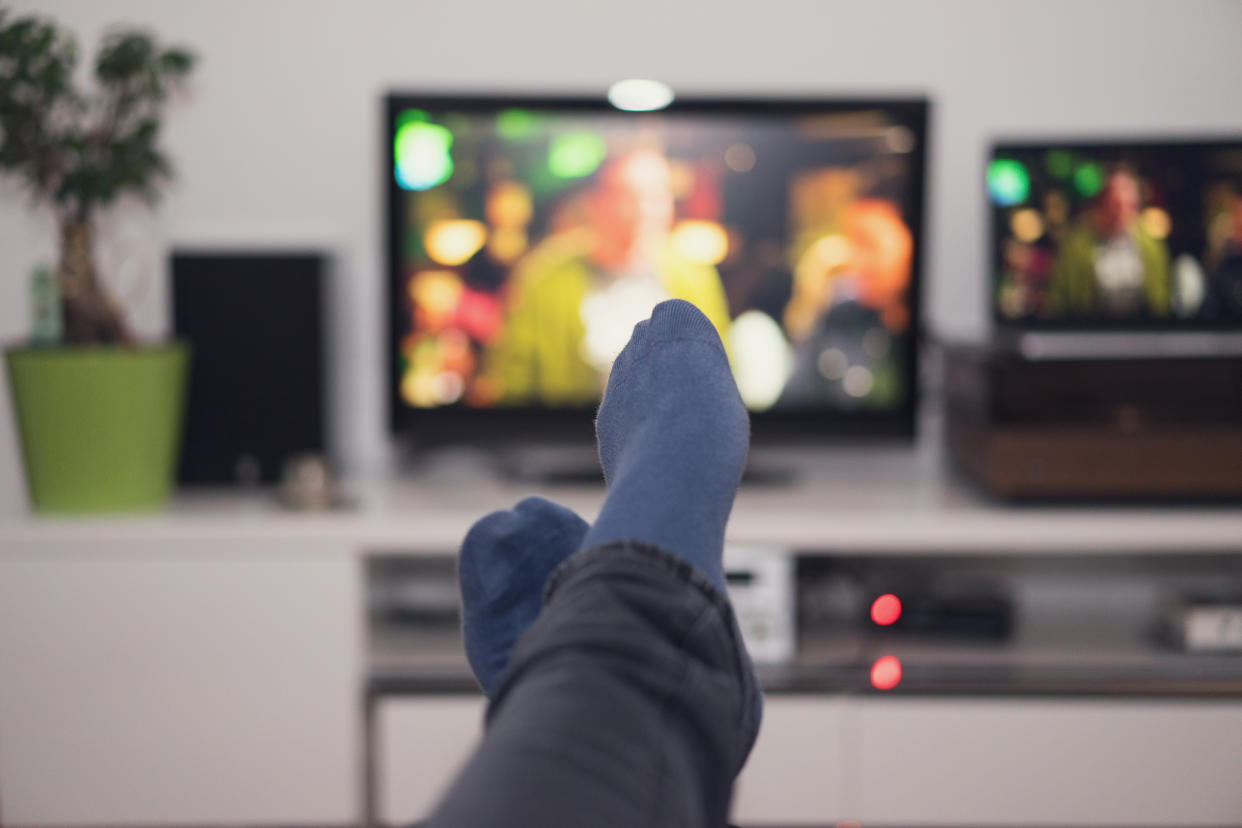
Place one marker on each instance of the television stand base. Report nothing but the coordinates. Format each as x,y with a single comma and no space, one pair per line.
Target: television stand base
569,465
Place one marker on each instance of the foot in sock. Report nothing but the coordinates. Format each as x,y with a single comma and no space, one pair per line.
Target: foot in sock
504,563
673,435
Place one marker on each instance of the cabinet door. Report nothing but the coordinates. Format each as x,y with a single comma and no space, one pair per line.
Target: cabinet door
1043,762
187,682
423,742
790,779
793,774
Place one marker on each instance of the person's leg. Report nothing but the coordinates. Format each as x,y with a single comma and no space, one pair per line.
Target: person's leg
673,435
502,569
630,700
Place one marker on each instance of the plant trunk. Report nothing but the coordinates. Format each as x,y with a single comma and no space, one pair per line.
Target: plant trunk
89,313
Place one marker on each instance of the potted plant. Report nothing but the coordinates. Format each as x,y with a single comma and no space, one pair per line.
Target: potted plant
98,415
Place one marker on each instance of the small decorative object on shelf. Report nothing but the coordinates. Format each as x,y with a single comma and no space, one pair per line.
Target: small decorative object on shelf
307,484
99,416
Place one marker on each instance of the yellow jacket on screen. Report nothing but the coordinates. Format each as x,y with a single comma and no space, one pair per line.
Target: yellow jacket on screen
538,359
1074,288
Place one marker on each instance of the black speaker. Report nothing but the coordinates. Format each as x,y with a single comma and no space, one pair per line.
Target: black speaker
254,321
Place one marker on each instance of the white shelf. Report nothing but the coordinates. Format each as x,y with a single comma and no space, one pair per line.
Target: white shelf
846,500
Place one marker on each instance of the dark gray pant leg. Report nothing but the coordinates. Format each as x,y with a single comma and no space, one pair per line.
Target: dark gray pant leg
629,702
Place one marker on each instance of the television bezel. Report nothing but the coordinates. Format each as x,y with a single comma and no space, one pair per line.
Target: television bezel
1006,326
506,425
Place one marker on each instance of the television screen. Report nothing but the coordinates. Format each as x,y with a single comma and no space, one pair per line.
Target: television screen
526,239
1119,235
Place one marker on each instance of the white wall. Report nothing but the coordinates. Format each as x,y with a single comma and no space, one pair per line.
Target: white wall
279,142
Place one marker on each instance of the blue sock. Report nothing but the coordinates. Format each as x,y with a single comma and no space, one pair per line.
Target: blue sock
504,564
673,435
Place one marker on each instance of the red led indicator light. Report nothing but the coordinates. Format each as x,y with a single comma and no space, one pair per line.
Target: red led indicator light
885,610
886,673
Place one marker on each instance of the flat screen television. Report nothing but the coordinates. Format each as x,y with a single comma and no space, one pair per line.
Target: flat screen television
526,236
1114,236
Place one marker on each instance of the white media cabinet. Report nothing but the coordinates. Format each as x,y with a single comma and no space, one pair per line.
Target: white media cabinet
206,665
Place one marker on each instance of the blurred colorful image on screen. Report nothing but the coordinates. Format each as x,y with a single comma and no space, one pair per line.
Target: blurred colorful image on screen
531,241
1117,235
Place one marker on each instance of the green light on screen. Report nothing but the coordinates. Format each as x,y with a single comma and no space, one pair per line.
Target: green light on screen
575,154
1008,182
516,124
1088,179
411,116
421,155
1059,162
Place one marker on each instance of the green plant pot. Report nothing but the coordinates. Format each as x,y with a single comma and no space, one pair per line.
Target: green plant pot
100,426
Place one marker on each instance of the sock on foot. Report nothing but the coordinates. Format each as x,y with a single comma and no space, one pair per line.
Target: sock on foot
504,564
673,435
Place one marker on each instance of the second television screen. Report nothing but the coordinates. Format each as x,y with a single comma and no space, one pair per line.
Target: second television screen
1117,235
